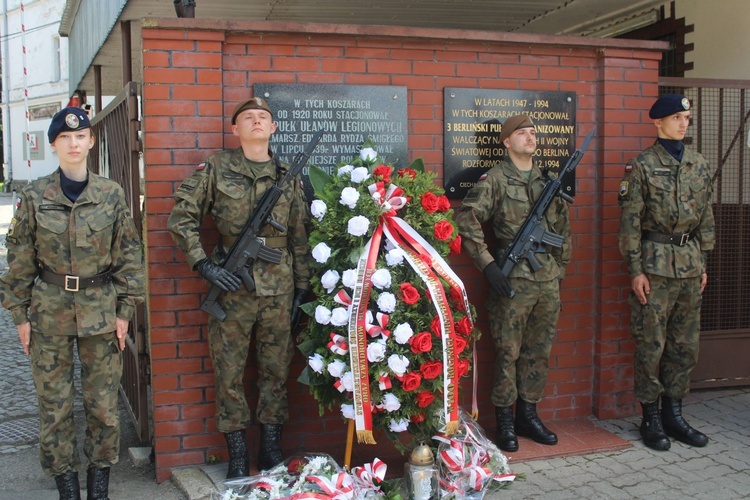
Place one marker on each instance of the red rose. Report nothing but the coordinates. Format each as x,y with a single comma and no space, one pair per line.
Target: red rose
443,204
407,172
411,381
417,418
429,202
460,344
435,326
443,230
464,326
409,294
296,465
462,367
424,399
455,245
431,369
421,342
383,171
457,295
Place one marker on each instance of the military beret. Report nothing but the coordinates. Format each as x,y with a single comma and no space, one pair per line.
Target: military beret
514,123
252,103
70,118
667,105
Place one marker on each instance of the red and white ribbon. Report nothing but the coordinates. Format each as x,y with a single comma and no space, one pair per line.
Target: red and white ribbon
377,326
338,344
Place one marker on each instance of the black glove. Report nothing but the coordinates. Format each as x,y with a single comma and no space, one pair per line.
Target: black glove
497,279
300,297
218,276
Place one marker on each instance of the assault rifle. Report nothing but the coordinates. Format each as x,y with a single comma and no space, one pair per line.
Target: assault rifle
532,235
249,246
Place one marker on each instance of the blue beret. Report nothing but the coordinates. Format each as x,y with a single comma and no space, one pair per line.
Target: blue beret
667,105
70,118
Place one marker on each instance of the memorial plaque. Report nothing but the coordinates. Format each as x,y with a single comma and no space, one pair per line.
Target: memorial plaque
349,114
472,123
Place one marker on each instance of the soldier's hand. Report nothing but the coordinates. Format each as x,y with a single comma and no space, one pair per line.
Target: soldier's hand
122,331
24,335
218,276
497,279
704,281
641,288
300,296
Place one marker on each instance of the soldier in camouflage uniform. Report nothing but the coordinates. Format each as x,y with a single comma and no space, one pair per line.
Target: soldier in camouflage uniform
522,327
75,277
228,186
666,234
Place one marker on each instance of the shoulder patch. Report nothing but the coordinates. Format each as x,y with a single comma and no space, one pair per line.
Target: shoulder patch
628,168
624,188
11,226
18,202
483,177
201,166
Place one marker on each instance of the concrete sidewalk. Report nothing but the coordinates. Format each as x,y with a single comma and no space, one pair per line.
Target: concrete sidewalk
719,471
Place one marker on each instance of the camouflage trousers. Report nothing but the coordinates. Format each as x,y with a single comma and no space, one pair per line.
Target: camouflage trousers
666,332
522,329
52,367
268,318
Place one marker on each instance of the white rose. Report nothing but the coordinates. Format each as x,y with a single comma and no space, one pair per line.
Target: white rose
348,411
390,402
349,197
329,280
360,174
402,333
347,381
322,315
398,425
318,209
316,362
350,278
397,363
395,257
381,278
340,316
387,302
344,170
368,154
321,252
376,351
358,225
336,368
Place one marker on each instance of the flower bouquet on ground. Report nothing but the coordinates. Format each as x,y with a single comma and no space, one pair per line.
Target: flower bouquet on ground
310,476
391,329
469,464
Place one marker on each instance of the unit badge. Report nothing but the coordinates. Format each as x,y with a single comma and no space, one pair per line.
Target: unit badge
624,188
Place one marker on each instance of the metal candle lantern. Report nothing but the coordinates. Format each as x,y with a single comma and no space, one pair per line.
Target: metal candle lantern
421,474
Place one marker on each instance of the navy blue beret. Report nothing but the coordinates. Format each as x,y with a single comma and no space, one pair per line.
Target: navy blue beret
667,105
70,118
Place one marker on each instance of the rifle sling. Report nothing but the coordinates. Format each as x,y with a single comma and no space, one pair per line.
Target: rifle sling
270,242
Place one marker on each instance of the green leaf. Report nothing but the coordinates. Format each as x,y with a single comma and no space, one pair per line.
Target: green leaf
417,165
309,308
304,377
319,178
307,347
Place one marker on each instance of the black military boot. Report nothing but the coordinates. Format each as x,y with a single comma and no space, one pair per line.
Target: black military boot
675,425
239,460
505,438
529,425
68,487
97,483
269,454
651,429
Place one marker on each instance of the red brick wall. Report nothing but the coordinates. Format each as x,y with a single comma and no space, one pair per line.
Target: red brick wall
194,75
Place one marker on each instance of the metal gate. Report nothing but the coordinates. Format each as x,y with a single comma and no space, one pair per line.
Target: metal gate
116,154
720,131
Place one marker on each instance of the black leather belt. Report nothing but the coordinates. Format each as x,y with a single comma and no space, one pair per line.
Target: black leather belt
72,283
679,239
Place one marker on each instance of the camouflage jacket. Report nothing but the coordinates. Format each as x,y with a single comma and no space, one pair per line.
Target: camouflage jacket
85,238
662,195
505,196
228,186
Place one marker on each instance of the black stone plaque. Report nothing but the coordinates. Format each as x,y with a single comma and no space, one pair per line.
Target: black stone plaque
472,123
349,114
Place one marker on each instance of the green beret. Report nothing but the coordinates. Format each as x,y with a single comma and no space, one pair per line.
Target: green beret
667,105
514,123
67,119
252,103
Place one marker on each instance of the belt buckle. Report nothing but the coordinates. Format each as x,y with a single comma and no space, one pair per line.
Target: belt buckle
262,239
68,280
684,239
